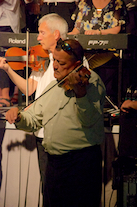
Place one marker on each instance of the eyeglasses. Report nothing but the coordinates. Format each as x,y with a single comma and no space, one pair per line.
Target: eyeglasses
66,47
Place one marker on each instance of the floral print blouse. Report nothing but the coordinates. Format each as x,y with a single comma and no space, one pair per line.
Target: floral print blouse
87,17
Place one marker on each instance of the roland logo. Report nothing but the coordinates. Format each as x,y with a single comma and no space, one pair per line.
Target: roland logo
16,41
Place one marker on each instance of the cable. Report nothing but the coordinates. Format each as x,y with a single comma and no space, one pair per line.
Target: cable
110,197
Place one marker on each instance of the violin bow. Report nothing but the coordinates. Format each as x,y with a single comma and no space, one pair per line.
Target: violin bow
27,64
58,83
61,81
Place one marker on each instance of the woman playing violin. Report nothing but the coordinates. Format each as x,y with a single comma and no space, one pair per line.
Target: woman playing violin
9,22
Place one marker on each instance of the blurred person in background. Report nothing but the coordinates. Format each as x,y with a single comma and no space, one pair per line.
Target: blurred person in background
9,22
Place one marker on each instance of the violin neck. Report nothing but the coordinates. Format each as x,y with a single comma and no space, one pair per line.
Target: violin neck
16,58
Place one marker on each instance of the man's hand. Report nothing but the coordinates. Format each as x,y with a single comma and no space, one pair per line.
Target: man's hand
78,81
12,115
127,105
3,64
92,32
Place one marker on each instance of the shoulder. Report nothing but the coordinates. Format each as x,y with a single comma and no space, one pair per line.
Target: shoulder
94,76
36,74
96,81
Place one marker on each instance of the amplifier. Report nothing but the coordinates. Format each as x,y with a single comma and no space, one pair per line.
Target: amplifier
130,190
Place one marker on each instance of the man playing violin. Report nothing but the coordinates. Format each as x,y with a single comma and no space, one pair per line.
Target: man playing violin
51,28
72,118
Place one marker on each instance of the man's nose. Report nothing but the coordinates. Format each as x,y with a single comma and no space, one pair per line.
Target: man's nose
55,64
38,38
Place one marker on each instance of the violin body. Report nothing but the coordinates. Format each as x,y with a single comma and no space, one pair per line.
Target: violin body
84,79
37,58
17,58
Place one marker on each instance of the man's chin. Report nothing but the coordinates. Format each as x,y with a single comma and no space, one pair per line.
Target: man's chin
43,47
58,79
56,75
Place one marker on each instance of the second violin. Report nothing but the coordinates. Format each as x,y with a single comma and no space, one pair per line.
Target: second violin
16,58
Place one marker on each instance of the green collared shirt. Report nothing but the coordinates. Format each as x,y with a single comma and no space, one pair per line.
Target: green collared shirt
69,123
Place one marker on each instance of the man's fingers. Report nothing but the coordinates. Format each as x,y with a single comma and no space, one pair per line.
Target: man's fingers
11,115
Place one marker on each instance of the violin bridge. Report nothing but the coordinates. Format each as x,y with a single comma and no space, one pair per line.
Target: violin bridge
41,68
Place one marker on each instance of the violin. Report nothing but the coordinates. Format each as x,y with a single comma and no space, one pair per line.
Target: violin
34,7
16,58
84,79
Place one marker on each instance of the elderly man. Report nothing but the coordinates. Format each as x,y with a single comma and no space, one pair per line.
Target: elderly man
71,112
52,27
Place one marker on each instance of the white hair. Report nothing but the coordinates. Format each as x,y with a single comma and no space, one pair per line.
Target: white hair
55,22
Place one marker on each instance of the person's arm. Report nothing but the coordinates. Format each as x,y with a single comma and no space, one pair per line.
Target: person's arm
114,30
127,105
28,120
74,31
12,115
26,123
88,96
17,79
23,120
78,81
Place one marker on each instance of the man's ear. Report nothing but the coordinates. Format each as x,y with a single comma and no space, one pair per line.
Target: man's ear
78,63
56,34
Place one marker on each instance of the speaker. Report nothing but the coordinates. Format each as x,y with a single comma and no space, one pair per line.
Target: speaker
130,190
128,134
